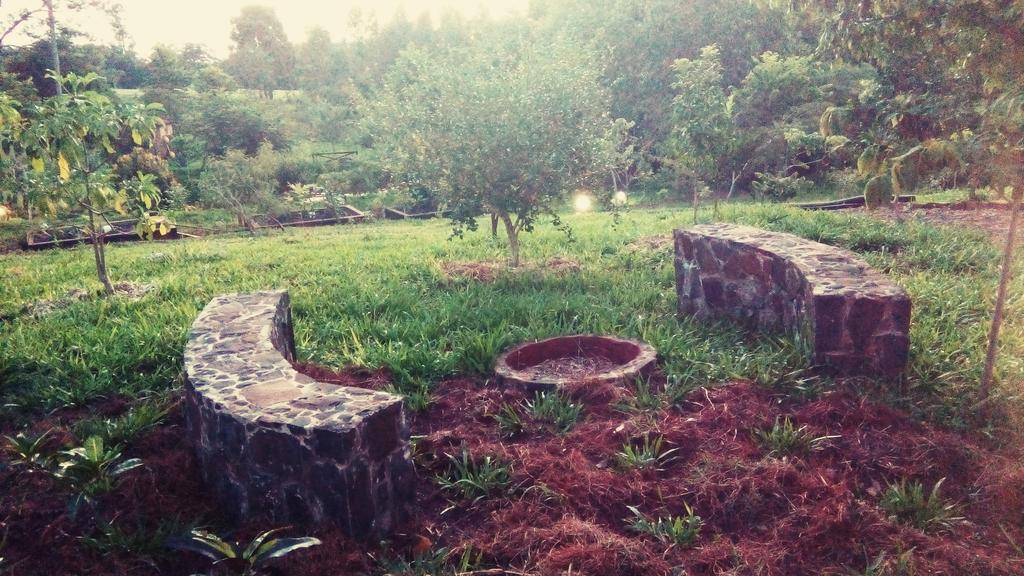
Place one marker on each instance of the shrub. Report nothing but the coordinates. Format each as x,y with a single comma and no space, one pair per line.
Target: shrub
779,188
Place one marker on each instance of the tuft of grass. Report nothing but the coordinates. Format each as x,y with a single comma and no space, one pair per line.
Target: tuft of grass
126,427
882,565
908,502
683,530
650,453
475,479
556,409
645,398
139,540
510,423
784,438
434,562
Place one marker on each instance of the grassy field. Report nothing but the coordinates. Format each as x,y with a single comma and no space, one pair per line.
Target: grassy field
376,295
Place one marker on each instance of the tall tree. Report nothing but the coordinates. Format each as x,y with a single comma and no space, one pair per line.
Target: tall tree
261,58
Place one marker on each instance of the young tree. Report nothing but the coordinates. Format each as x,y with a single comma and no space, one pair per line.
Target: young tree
69,140
702,127
503,127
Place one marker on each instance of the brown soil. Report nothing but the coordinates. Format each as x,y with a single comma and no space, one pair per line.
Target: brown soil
489,270
579,367
812,513
483,271
993,222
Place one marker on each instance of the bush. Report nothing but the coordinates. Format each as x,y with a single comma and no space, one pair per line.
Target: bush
779,188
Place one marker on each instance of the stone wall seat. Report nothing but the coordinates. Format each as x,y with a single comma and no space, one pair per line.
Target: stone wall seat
855,320
274,442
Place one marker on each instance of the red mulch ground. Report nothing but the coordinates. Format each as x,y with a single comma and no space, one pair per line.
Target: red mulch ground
811,514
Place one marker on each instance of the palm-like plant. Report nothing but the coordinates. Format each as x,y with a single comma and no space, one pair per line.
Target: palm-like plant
234,558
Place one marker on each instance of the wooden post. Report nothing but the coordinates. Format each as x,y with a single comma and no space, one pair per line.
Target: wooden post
997,315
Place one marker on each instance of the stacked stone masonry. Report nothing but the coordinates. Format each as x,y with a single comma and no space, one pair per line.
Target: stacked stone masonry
854,319
274,442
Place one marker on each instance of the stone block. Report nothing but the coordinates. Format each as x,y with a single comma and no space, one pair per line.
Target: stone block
857,321
273,442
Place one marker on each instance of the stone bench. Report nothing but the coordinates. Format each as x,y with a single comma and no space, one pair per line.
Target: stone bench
856,321
274,442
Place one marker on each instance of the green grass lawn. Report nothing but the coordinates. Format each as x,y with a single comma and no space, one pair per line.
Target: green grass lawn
375,295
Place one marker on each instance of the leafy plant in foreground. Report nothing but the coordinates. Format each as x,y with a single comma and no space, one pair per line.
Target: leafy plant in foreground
785,438
648,454
555,409
92,469
29,450
907,502
475,479
679,530
233,558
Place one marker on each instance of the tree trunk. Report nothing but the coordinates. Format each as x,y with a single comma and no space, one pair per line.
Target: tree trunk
100,254
54,53
997,315
494,225
513,239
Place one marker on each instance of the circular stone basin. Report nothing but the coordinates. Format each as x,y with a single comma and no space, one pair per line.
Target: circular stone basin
552,363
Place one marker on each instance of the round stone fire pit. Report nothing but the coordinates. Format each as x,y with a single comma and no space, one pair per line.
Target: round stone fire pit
552,363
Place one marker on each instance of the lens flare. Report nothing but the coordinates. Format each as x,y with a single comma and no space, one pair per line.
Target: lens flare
619,198
583,203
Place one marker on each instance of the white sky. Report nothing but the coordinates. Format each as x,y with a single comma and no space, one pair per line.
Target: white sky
208,22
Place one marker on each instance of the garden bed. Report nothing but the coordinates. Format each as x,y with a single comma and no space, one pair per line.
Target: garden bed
568,499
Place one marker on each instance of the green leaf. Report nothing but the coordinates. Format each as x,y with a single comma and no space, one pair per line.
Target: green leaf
282,546
253,546
206,544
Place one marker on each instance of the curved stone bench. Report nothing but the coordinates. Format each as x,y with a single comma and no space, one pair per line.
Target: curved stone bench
274,442
855,319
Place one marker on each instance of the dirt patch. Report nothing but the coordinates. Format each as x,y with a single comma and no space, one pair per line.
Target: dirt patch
489,270
41,308
577,367
558,264
651,243
566,507
993,222
483,271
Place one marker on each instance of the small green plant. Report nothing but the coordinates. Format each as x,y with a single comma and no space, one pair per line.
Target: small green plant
785,438
555,409
92,469
647,454
677,530
127,426
30,451
645,399
474,479
908,502
139,540
437,562
882,565
233,558
510,423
